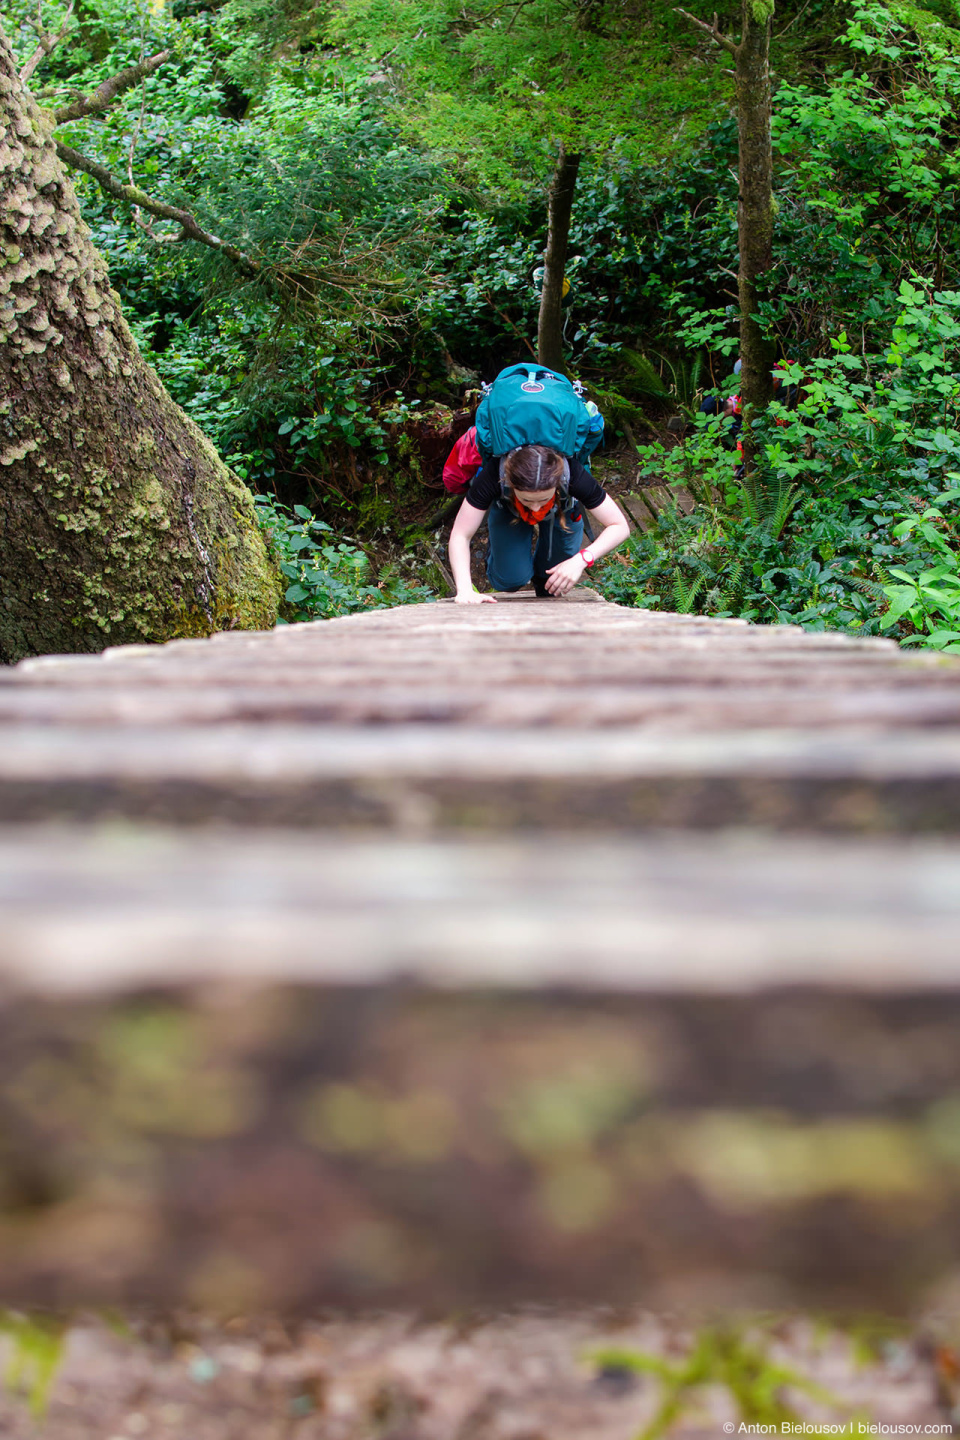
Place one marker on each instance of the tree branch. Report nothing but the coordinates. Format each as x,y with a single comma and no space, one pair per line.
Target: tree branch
48,42
713,30
105,94
190,229
515,328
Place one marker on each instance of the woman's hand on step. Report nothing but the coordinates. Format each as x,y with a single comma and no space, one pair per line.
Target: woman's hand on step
562,578
473,597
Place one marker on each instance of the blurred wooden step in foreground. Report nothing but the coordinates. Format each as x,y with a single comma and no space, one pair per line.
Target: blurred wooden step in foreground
443,957
288,1071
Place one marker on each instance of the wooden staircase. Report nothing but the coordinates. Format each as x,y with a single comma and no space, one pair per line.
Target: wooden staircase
445,956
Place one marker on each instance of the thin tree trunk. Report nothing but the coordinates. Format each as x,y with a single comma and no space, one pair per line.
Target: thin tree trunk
560,208
755,203
118,521
755,212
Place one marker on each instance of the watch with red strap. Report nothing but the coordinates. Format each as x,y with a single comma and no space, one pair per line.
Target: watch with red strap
586,557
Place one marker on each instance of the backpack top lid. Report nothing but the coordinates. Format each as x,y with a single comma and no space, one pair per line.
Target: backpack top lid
530,405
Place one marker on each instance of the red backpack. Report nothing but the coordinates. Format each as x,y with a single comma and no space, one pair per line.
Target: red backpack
463,462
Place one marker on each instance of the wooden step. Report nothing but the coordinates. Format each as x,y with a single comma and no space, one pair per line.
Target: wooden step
423,779
289,1071
532,713
806,702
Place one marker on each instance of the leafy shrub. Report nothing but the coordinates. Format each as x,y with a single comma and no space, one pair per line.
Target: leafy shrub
855,490
824,571
930,600
327,576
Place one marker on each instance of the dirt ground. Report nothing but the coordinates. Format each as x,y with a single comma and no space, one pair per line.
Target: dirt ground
528,1377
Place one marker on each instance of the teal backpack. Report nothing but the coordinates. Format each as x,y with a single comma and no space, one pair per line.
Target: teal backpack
530,405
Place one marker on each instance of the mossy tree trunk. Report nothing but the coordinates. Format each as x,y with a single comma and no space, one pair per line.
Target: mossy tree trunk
560,209
755,212
118,520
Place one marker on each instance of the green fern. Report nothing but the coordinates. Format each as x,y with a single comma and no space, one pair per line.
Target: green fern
769,504
685,595
782,510
616,406
645,377
685,377
726,598
873,589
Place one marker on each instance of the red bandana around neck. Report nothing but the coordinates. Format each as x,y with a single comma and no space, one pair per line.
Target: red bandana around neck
533,517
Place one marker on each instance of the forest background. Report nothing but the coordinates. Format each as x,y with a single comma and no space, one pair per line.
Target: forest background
369,179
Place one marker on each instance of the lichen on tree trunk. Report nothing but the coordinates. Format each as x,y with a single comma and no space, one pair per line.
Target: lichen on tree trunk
560,207
118,520
755,211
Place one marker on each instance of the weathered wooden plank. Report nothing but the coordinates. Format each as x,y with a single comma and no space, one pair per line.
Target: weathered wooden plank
447,627
608,654
84,910
507,676
735,702
625,654
430,778
153,731
295,1071
583,654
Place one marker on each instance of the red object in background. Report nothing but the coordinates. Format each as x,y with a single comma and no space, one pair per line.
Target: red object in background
463,462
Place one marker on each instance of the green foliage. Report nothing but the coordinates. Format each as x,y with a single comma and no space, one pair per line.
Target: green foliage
500,86
37,1344
930,600
327,576
376,264
720,1356
634,247
298,393
879,138
856,491
644,377
869,189
311,179
824,572
384,163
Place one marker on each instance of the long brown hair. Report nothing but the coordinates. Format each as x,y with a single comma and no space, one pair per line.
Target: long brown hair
535,468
